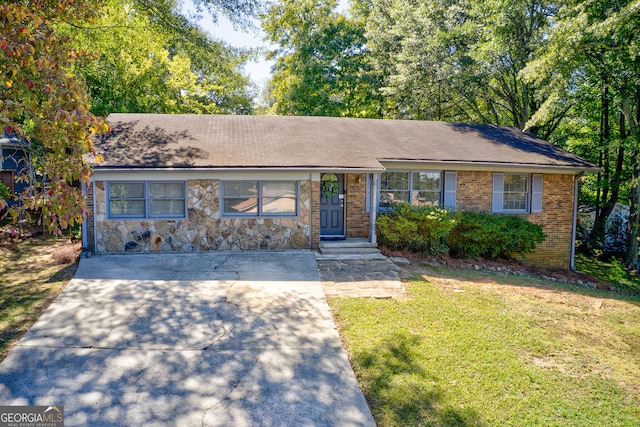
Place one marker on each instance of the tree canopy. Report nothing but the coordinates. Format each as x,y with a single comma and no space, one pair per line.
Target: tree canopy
44,102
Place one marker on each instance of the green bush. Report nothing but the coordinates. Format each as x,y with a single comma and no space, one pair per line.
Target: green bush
419,229
5,192
493,236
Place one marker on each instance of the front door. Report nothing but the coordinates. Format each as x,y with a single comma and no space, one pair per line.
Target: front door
332,206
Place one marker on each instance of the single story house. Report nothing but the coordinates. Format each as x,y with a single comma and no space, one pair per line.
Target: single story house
214,182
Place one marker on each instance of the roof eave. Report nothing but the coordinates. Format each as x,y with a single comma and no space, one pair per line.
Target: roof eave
469,165
335,169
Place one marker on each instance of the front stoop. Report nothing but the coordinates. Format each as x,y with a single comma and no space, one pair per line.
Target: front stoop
348,249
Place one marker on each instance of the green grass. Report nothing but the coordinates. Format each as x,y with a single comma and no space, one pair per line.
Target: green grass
30,279
482,350
611,271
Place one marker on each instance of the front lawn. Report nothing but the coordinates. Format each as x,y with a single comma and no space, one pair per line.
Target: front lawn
474,349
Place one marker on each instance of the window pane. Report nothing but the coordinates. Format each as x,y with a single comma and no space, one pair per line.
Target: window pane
279,189
167,207
127,207
241,206
426,181
280,205
240,188
126,190
516,183
390,198
425,198
166,190
515,201
394,181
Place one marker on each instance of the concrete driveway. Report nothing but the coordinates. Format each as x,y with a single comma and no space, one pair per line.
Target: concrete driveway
233,339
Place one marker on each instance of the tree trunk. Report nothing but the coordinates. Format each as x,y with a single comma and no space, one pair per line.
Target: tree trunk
631,258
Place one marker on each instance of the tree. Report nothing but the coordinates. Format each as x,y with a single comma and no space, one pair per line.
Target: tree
458,60
596,45
44,102
321,66
154,60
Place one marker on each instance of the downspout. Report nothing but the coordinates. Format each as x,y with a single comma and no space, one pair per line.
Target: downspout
85,239
373,238
574,223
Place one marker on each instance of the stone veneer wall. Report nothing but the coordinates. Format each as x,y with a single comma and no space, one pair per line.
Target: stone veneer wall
205,229
473,193
357,216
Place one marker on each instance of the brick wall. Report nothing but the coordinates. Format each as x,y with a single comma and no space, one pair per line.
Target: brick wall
474,194
315,214
357,217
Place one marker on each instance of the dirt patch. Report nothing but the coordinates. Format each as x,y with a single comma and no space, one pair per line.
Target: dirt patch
506,267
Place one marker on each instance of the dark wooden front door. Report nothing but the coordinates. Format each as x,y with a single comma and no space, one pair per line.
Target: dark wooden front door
332,209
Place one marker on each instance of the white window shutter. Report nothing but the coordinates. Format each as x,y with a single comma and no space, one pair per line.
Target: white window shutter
498,191
450,184
536,192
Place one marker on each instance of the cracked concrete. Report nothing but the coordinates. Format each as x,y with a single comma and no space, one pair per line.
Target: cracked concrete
208,339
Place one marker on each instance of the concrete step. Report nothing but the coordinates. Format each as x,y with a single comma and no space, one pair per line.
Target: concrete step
347,243
348,250
341,257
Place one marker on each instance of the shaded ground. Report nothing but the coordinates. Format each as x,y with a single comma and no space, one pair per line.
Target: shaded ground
33,271
216,339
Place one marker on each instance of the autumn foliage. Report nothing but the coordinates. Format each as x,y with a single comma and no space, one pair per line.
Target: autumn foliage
43,102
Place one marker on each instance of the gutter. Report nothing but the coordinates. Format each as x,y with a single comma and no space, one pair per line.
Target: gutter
85,240
495,166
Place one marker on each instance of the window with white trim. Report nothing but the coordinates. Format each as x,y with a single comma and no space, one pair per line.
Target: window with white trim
260,198
146,199
517,193
421,188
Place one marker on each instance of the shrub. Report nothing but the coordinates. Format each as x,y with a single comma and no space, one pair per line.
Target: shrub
493,236
419,229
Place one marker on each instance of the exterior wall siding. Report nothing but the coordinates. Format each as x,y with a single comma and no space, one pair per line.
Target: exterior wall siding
205,229
357,218
474,194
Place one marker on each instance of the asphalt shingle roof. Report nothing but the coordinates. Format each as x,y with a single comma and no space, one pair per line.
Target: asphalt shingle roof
274,142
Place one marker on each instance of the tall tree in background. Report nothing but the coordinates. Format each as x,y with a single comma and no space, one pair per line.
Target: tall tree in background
45,103
152,59
594,47
458,60
321,66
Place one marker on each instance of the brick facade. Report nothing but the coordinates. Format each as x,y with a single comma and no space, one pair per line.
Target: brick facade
357,217
474,193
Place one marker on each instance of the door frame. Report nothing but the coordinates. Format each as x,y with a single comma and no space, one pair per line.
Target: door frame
341,196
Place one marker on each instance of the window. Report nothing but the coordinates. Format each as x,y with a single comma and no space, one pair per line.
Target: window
517,193
421,188
157,199
260,198
516,190
426,189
